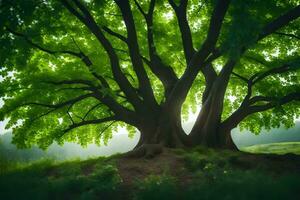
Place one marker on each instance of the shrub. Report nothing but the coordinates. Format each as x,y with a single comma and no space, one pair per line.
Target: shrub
157,187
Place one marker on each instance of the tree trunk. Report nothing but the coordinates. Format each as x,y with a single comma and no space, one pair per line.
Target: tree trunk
165,128
164,131
205,130
225,139
213,136
168,133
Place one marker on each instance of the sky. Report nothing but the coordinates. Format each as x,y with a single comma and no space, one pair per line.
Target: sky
2,124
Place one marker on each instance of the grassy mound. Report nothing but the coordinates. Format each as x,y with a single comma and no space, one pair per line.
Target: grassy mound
275,148
198,173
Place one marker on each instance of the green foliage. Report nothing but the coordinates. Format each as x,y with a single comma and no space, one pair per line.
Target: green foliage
27,71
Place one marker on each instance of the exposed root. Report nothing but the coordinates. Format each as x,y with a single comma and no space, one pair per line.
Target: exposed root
146,150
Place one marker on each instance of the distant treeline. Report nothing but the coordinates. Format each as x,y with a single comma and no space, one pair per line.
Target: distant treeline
118,144
9,152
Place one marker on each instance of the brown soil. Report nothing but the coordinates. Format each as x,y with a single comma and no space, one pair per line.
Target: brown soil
132,169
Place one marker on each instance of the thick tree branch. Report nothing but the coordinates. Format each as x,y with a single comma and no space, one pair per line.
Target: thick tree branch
249,83
240,77
274,101
248,106
256,99
280,22
210,77
182,87
187,41
141,9
120,78
244,111
113,33
268,29
163,72
107,100
134,52
224,76
254,79
278,70
186,36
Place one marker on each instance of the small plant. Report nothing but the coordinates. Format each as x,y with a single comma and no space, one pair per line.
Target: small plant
196,160
106,182
157,187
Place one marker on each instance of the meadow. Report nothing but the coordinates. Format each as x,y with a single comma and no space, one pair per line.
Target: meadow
280,148
198,173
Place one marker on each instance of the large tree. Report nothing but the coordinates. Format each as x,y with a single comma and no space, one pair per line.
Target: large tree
74,70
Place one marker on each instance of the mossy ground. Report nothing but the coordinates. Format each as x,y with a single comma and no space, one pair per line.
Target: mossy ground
198,173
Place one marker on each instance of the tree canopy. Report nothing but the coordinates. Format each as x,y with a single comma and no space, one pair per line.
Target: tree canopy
74,70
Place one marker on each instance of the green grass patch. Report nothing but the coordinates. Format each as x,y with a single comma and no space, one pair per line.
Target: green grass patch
202,174
156,187
275,148
246,185
91,179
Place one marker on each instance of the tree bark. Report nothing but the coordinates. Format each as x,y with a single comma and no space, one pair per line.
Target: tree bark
158,131
165,130
212,135
225,138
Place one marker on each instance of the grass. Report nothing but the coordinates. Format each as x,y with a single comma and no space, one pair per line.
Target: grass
68,180
275,148
190,174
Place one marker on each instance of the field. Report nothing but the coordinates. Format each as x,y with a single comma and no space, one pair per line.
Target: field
275,148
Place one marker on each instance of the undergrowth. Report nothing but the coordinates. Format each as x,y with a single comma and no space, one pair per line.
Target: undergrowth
214,174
